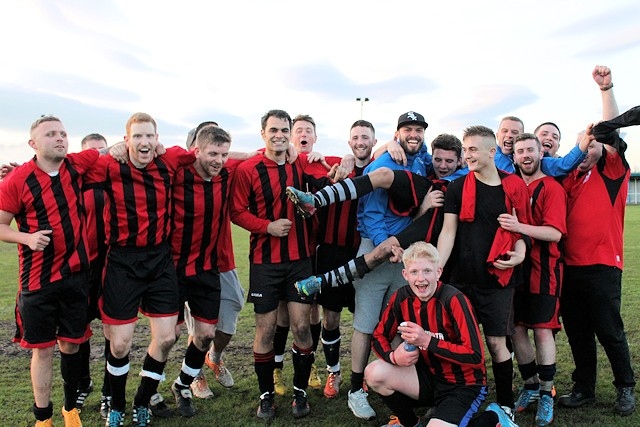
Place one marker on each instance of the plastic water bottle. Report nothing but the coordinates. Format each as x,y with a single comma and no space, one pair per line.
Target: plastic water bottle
409,347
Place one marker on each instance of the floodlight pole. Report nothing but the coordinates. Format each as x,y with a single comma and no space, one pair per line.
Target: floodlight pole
362,101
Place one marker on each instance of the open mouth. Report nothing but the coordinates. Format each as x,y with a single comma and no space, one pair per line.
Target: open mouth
413,143
422,288
547,145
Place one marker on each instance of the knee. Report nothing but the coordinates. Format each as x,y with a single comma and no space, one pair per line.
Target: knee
67,347
42,353
204,340
496,345
385,174
302,335
331,320
165,343
120,348
372,374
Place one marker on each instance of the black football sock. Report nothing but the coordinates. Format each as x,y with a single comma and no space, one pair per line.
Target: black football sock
263,365
331,346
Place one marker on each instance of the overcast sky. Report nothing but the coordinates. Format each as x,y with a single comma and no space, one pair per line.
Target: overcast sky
93,63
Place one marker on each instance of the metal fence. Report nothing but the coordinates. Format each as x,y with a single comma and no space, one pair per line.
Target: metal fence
633,197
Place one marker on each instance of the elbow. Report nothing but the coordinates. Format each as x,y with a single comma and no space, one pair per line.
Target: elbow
555,236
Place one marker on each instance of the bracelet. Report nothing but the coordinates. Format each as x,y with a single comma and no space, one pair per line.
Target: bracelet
606,87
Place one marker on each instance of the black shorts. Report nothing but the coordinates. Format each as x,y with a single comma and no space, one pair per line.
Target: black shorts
271,283
457,404
139,279
96,272
426,393
415,188
56,311
329,257
493,307
202,292
537,311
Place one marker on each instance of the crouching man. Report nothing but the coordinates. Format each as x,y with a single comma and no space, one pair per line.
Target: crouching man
441,362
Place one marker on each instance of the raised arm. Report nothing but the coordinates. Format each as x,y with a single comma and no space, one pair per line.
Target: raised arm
602,77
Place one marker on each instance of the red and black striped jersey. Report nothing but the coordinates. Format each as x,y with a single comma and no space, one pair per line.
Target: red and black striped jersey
94,209
596,202
226,260
200,210
42,201
455,353
543,266
259,198
339,221
137,205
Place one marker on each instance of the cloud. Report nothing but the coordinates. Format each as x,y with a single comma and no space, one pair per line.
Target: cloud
69,86
488,104
331,84
606,32
79,118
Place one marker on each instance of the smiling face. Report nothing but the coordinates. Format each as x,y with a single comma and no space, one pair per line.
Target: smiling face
303,136
141,142
411,138
549,137
49,141
361,142
445,162
211,159
422,274
479,152
507,133
276,135
527,156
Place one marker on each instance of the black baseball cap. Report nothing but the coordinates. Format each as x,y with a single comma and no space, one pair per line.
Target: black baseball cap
412,117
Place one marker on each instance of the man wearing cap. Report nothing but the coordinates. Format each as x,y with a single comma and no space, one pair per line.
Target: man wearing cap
376,223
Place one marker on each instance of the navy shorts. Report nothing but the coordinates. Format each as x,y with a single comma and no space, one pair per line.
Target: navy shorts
56,311
329,257
202,292
271,283
139,279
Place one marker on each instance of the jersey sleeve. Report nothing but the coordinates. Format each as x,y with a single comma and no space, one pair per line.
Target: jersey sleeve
239,212
504,162
561,166
178,157
385,331
84,161
10,200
